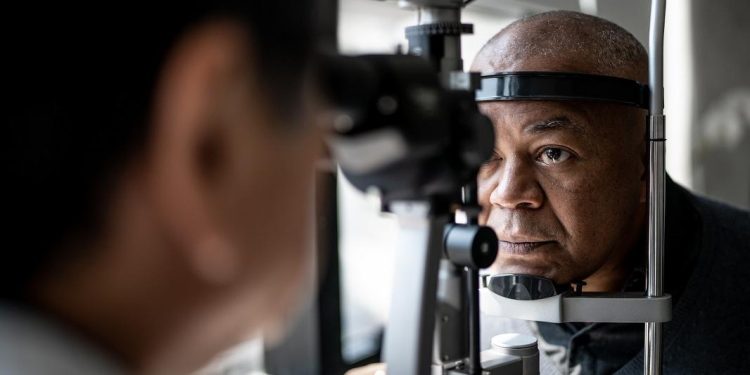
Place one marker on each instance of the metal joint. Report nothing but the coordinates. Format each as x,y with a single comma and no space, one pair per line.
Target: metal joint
656,127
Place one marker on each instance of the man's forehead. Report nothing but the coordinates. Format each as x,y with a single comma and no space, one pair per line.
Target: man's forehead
502,56
529,116
557,63
586,121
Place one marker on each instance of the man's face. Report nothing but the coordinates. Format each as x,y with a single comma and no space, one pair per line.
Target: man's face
564,188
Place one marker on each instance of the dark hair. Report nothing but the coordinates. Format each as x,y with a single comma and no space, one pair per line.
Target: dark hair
78,82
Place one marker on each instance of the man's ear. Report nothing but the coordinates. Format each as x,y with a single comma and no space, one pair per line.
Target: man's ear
186,153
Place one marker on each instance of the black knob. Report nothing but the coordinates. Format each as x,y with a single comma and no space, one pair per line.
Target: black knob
470,246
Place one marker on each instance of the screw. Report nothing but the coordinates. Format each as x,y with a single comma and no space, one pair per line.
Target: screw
387,105
343,123
484,248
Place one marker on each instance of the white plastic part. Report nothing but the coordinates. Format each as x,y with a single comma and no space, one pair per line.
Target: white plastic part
513,341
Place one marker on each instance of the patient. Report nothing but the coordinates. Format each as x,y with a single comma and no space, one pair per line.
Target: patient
567,194
157,171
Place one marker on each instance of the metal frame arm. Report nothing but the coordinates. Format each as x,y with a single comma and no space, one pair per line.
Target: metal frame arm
409,334
588,307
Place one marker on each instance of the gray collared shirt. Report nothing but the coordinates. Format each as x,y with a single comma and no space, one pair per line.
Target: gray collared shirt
31,344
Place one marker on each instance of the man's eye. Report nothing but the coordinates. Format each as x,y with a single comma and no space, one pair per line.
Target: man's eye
553,155
494,158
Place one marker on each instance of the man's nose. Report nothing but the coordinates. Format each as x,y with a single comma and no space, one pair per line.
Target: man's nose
517,187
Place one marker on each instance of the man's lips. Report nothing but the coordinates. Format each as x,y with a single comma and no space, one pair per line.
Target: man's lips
520,247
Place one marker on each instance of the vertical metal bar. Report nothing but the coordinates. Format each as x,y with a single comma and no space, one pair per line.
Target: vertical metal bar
451,329
409,334
653,330
470,200
656,56
656,253
329,291
474,365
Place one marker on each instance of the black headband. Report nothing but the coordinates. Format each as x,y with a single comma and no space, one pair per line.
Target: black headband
562,86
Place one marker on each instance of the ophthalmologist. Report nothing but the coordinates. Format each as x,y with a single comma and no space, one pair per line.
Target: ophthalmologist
157,172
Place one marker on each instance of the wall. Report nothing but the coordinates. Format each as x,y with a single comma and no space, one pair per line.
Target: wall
721,135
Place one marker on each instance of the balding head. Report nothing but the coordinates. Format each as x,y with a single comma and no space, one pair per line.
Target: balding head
564,41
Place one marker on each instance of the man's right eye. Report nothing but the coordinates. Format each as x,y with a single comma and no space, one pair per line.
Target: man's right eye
489,166
495,157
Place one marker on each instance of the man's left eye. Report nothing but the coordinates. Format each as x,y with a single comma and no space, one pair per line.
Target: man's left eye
553,155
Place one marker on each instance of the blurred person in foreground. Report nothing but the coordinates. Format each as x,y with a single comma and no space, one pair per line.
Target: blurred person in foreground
157,170
567,195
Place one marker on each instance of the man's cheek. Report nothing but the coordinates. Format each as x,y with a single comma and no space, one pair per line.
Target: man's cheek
570,184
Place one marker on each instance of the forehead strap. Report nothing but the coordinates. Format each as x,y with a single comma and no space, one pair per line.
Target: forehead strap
558,86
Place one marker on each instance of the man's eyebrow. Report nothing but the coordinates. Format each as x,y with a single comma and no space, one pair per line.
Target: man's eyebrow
555,123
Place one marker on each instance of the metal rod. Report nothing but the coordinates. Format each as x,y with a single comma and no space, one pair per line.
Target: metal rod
653,330
474,364
329,291
409,334
656,56
469,198
451,44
